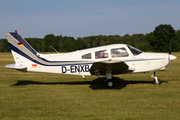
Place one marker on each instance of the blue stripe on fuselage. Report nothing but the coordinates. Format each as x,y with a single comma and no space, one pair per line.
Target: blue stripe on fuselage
59,63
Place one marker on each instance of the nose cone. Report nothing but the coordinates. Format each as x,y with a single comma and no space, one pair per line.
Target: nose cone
172,57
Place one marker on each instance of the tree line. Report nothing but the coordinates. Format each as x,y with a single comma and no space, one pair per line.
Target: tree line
156,41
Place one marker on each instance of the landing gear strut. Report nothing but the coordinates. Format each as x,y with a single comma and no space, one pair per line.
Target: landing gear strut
156,81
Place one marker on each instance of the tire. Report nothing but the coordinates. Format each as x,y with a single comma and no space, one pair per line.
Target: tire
110,83
159,82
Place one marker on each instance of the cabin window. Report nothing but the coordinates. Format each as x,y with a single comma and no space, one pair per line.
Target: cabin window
101,54
134,50
86,56
119,52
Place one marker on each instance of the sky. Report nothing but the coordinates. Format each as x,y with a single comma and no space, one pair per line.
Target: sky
81,18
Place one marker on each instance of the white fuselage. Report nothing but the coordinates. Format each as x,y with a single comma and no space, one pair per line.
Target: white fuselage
73,63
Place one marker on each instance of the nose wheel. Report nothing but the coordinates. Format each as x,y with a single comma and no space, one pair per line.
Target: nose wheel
156,80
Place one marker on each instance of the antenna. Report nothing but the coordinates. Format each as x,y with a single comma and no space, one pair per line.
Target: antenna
54,49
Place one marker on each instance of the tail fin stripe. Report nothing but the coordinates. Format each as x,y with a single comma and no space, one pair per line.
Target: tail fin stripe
30,54
21,40
44,62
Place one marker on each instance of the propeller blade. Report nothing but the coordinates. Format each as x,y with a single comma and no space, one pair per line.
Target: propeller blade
169,56
169,47
170,68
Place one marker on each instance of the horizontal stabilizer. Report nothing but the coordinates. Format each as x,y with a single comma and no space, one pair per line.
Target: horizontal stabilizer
14,66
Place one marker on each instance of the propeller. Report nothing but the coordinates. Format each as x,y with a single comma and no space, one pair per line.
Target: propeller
169,56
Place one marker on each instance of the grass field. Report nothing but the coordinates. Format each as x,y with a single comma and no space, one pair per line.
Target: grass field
55,96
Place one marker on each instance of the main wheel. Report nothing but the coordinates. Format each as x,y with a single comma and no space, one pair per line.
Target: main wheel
110,83
157,83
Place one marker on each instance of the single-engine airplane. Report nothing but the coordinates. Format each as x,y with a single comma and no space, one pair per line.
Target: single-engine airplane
106,60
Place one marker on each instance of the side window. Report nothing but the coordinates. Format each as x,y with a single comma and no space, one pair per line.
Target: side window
134,50
119,52
86,56
101,54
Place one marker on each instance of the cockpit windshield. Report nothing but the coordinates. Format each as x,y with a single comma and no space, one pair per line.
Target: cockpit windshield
134,50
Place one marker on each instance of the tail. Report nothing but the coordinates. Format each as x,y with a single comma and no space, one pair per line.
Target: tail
25,56
22,52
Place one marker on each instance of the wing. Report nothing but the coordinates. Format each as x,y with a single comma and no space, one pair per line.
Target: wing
113,66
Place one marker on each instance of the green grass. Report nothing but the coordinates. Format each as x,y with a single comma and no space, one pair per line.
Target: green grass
55,96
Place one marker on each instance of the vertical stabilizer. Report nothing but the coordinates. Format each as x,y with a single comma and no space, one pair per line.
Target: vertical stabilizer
20,49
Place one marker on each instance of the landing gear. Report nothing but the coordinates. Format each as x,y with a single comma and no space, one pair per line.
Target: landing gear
156,81
110,83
